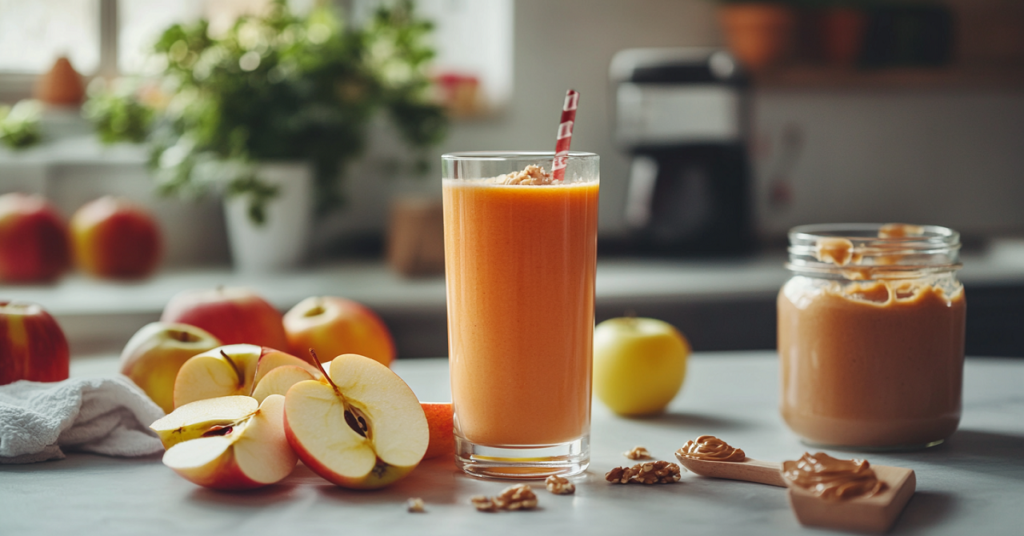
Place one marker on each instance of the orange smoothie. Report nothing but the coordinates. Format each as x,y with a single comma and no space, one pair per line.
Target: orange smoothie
520,262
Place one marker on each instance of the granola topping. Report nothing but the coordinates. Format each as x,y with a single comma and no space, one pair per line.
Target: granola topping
559,485
712,449
645,473
637,453
530,176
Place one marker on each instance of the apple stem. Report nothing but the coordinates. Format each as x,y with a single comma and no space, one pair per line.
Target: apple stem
238,371
319,365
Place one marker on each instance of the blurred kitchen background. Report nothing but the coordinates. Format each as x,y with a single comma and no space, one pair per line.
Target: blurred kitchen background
720,125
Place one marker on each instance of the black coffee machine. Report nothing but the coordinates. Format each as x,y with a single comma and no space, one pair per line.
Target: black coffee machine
682,113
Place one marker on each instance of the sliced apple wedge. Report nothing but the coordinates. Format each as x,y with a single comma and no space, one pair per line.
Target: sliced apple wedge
248,453
235,369
279,380
360,426
193,420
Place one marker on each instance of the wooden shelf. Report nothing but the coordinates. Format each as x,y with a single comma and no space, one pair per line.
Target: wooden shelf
799,77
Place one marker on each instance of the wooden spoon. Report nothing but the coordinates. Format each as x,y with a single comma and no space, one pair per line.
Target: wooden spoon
749,470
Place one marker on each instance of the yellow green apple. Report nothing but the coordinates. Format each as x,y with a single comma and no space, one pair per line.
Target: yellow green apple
156,352
639,364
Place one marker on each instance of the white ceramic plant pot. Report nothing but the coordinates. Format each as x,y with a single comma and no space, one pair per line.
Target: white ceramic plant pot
281,242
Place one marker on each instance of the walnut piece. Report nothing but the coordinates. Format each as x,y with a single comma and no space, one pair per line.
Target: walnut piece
519,497
559,485
645,473
638,453
483,503
415,504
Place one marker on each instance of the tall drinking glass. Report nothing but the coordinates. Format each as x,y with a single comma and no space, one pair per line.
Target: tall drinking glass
520,260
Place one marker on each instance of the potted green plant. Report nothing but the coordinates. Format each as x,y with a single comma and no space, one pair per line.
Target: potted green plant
278,101
19,124
759,33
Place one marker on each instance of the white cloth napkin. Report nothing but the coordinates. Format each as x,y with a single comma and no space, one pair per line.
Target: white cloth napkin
109,415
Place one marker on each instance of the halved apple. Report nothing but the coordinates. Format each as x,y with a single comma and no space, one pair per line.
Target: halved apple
249,452
235,369
193,420
359,427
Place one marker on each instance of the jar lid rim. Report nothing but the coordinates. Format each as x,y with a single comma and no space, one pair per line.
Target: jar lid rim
868,232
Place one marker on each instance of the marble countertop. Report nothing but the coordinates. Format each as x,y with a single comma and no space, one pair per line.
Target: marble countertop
972,484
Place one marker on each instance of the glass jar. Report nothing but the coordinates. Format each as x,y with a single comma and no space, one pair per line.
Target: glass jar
871,335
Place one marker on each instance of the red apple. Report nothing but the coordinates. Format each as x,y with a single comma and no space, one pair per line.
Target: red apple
334,326
115,238
33,239
440,422
234,315
32,345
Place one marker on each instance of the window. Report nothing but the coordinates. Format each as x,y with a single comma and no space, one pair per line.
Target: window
473,37
33,34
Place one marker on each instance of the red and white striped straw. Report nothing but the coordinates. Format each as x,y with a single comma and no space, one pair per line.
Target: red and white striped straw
564,135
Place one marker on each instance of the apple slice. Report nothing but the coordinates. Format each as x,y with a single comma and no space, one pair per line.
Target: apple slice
359,427
235,369
440,421
279,380
248,453
193,420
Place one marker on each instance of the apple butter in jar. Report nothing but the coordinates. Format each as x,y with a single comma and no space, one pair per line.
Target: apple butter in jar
871,335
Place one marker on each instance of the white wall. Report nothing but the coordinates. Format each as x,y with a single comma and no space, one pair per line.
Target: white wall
953,157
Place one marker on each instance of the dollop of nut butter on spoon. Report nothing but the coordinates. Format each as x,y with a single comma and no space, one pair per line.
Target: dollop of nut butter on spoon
711,457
